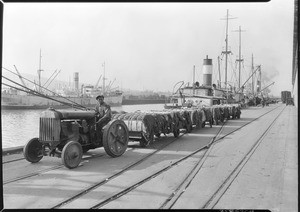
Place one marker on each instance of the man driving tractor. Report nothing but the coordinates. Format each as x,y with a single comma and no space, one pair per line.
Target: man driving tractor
102,113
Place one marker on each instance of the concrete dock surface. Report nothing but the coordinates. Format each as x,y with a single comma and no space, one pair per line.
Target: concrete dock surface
270,177
267,178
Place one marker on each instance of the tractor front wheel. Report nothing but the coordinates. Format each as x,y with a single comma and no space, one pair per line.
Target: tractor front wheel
33,150
72,154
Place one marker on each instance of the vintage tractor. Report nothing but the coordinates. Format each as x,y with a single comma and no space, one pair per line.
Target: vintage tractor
69,134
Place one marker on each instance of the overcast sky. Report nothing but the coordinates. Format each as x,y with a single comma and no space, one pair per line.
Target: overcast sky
148,46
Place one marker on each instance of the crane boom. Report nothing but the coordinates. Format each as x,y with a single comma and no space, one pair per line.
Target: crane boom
110,84
53,78
50,77
267,86
96,85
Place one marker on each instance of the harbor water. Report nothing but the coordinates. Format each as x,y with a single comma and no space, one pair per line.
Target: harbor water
19,126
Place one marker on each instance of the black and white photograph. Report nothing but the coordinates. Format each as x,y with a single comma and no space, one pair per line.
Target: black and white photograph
150,105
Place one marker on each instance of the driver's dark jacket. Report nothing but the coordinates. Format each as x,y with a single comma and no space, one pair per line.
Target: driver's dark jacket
103,111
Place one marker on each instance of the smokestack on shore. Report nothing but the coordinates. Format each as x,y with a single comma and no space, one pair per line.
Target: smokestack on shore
76,80
207,71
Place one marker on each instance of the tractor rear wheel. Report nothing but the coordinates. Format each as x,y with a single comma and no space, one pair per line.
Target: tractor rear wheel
33,150
72,154
115,138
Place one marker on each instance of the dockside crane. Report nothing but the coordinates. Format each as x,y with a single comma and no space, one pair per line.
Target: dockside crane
50,78
110,85
53,78
96,85
267,87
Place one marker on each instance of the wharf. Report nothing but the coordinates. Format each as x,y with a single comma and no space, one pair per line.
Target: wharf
267,179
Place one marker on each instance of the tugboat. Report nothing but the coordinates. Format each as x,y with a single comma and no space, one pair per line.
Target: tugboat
205,95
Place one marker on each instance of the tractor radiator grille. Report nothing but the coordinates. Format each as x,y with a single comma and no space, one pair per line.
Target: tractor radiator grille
49,129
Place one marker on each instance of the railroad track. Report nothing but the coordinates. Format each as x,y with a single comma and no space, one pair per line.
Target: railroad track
42,171
213,199
217,195
176,194
14,160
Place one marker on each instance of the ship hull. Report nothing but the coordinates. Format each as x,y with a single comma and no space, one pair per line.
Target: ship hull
143,101
14,101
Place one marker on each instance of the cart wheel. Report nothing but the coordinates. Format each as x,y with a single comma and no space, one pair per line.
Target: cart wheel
85,149
217,121
33,150
198,125
115,138
71,154
222,119
176,132
147,139
233,115
189,127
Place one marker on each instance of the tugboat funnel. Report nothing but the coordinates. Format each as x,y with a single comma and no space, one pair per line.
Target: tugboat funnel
76,81
207,72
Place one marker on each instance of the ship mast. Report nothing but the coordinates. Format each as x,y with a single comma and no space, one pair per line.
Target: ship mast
226,52
194,80
259,78
258,81
40,70
219,86
103,88
240,60
252,68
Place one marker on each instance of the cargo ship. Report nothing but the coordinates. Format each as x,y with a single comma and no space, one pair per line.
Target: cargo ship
14,100
145,99
41,98
209,94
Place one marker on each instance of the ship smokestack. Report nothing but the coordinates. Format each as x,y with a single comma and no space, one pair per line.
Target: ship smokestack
76,80
207,71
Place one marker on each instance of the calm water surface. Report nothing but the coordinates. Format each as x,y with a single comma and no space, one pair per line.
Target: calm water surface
19,126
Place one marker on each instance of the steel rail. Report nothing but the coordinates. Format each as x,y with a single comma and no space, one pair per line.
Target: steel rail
186,182
14,160
130,188
127,168
32,174
89,157
141,182
42,170
98,184
217,195
170,201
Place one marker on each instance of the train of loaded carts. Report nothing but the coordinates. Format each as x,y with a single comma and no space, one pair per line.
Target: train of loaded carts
69,134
